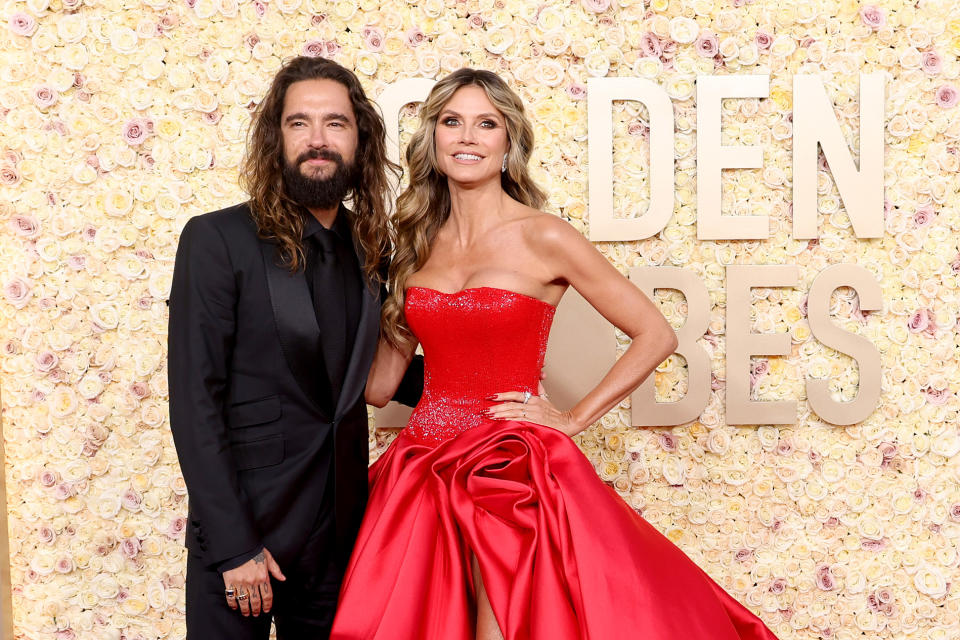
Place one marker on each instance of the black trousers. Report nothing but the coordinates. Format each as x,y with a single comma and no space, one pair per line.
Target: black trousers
303,605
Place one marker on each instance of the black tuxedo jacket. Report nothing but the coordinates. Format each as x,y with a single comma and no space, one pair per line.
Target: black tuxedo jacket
244,364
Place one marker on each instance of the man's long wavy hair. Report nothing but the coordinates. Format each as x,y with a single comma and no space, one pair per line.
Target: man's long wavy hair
277,216
424,205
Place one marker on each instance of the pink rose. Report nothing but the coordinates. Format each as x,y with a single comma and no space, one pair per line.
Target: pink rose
140,390
251,40
716,383
136,130
260,9
650,45
214,116
946,96
44,96
176,528
595,6
131,500
743,555
22,24
415,37
707,45
763,40
577,91
668,442
475,21
47,534
778,586
920,320
18,292
924,215
932,62
77,263
169,21
372,38
130,547
936,397
955,512
317,20
784,447
825,578
45,361
89,233
873,545
64,565
25,226
955,265
638,129
873,16
888,451
331,49
63,491
9,176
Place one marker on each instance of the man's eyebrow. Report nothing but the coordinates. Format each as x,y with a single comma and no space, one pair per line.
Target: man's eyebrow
329,117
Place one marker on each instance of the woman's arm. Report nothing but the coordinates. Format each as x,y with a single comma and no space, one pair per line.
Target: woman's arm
571,258
389,365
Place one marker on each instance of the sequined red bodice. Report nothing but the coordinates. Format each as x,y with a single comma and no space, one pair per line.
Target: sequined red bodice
476,342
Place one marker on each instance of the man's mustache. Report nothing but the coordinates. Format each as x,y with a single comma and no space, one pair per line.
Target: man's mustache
321,154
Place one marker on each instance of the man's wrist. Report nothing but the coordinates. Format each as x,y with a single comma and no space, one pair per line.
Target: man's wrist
236,561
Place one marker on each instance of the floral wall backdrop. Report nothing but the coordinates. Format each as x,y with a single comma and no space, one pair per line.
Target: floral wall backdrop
121,119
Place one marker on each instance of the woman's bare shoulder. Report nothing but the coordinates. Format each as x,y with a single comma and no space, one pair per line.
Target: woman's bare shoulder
548,231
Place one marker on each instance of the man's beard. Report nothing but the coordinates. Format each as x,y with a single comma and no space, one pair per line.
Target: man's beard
318,193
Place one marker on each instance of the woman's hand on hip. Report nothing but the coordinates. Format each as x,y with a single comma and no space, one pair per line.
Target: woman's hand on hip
526,407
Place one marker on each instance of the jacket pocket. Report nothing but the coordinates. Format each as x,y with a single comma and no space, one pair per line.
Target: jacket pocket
254,454
252,412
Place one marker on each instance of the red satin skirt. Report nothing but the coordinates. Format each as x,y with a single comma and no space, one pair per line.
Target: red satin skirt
561,555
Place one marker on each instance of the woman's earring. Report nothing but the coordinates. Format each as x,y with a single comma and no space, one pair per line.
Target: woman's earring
503,167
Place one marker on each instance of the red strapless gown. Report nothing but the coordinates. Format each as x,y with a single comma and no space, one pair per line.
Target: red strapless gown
561,555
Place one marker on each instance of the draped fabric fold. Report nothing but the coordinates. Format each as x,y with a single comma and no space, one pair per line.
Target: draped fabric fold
560,554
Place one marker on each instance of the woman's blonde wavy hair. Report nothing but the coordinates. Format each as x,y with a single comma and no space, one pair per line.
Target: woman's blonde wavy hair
424,205
277,216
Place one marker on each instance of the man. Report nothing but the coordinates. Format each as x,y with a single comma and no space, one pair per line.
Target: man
274,320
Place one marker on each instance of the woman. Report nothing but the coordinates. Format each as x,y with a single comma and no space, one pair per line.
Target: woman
485,520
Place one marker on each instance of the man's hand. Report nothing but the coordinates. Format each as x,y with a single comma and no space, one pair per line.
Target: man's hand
248,586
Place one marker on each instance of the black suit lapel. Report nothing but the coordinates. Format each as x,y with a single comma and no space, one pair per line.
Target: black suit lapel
297,329
355,380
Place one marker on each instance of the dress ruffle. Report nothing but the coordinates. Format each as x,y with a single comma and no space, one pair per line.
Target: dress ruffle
562,556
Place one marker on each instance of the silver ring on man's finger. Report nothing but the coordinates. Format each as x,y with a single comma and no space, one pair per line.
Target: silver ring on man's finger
526,397
231,592
243,596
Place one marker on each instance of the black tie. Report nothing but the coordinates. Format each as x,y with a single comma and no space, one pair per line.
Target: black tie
330,304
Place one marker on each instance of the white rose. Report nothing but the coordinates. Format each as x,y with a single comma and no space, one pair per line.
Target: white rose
930,581
123,40
684,30
674,471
